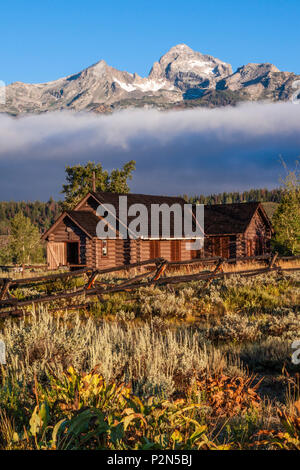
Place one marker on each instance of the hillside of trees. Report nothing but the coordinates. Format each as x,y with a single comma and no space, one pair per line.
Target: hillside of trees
41,214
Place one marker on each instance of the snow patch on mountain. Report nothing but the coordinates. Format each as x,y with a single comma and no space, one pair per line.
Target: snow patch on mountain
146,85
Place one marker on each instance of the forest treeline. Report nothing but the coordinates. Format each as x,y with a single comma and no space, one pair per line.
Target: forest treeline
253,195
43,214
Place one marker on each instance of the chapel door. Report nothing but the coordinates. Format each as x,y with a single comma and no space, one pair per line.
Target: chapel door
56,254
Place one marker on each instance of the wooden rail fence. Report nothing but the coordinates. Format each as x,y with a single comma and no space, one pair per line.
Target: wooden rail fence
155,275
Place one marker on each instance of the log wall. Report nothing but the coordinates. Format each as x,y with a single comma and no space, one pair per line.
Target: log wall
257,237
66,232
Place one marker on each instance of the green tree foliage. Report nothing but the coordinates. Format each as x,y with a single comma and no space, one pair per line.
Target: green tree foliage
286,220
24,243
118,178
80,181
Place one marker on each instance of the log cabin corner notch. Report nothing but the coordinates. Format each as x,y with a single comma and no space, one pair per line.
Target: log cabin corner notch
230,230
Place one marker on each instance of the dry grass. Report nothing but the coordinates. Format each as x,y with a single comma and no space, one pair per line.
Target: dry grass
29,273
171,270
234,267
290,263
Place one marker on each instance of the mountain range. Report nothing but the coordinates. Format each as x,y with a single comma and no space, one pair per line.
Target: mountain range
182,78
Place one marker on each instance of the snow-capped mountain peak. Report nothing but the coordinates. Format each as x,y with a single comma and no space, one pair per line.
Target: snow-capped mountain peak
182,77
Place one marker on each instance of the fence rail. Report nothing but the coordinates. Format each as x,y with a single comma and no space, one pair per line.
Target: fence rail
155,276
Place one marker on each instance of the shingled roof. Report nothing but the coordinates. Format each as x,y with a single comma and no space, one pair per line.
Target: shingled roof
146,199
219,219
86,220
229,218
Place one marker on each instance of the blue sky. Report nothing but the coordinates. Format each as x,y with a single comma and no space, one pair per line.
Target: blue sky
223,150
42,41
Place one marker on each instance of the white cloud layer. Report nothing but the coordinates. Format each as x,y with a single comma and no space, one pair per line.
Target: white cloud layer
182,151
119,130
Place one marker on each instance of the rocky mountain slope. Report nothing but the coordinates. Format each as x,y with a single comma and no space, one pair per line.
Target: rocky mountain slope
182,78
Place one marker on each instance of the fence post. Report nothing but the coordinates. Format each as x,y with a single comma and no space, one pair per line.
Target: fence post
160,270
5,288
217,268
273,260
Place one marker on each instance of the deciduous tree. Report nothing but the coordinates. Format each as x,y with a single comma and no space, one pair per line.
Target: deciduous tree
80,181
286,220
24,246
